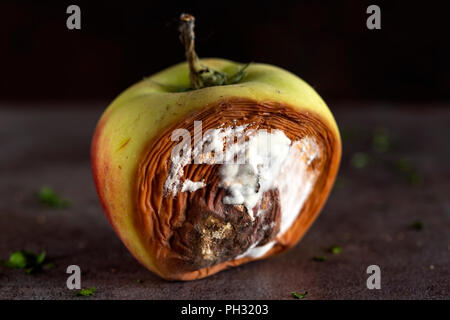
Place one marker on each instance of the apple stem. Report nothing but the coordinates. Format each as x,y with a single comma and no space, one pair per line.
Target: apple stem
187,37
200,75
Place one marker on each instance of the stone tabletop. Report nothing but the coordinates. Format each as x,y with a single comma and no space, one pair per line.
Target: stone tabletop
387,182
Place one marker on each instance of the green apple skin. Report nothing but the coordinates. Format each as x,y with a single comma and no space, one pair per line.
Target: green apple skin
141,112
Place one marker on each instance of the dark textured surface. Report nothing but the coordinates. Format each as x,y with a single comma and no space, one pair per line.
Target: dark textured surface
369,214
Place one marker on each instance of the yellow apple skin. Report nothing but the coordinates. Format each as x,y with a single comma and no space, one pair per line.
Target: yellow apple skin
141,112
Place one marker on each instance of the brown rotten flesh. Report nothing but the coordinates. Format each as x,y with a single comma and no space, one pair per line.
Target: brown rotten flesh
194,234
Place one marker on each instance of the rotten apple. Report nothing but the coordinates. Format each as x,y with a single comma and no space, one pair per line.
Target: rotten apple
210,163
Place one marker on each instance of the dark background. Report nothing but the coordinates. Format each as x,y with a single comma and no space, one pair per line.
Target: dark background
388,90
326,43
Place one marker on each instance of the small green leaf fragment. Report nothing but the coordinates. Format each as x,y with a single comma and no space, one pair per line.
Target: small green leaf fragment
41,257
403,165
17,260
406,168
335,249
299,295
414,178
320,258
381,140
26,260
30,270
360,160
139,281
418,225
49,265
86,292
48,197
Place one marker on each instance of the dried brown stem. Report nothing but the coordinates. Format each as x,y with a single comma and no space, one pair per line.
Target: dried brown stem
187,37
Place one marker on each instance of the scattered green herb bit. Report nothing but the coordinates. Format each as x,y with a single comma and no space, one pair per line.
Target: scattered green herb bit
335,249
406,168
360,160
403,165
414,178
17,260
418,225
47,196
381,140
41,257
27,260
48,266
30,270
139,281
299,295
320,258
86,292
